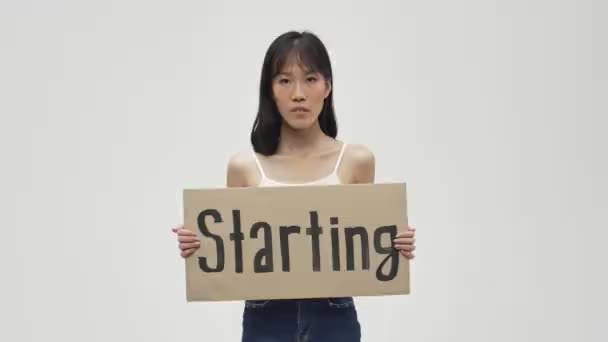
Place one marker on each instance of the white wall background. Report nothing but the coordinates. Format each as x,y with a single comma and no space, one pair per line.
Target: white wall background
494,112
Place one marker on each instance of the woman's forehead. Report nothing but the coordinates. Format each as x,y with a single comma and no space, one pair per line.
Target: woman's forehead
296,68
294,63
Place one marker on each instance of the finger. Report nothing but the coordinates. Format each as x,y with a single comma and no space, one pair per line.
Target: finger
186,253
408,255
186,232
187,238
410,241
176,228
407,234
182,231
410,227
405,247
186,245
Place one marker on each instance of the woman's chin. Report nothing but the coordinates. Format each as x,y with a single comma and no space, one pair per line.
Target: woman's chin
300,123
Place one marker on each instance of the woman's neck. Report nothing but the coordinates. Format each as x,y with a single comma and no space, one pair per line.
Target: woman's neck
303,142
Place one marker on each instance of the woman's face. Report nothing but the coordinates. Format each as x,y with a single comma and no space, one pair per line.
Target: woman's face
299,95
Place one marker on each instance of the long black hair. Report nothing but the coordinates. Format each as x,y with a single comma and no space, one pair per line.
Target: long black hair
309,51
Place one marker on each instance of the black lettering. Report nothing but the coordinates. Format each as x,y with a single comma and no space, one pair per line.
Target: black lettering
284,236
314,231
349,233
202,226
264,253
391,252
335,244
237,237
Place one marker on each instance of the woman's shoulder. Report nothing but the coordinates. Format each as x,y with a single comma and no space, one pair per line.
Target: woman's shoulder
242,169
358,163
359,153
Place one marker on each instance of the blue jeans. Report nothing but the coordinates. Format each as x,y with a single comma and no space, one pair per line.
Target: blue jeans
301,320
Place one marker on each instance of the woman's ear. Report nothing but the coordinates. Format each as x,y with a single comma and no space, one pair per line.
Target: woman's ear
327,88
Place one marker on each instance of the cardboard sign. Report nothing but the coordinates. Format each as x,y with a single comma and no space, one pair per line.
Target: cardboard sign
296,242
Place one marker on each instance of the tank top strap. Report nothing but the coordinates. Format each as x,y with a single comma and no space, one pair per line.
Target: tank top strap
257,161
340,158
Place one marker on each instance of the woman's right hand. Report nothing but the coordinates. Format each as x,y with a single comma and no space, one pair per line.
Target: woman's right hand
188,242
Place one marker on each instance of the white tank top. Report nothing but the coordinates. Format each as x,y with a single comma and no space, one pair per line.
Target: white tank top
330,179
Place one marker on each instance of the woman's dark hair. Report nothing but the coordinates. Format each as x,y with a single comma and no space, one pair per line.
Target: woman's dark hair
308,51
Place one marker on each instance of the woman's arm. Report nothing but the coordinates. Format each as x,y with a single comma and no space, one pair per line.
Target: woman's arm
360,168
358,165
242,171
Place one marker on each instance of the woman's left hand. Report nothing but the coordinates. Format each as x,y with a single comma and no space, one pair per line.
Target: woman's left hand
405,242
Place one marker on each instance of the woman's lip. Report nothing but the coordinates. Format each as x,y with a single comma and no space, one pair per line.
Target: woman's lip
299,109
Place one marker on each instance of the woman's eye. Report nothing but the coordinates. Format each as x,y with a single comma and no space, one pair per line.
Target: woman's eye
283,81
311,79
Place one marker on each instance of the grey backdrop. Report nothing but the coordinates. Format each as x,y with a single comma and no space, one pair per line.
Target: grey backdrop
493,112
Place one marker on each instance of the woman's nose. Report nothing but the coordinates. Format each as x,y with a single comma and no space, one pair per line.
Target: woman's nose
298,98
298,94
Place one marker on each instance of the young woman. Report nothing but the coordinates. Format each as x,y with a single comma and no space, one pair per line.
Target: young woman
294,144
